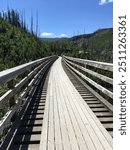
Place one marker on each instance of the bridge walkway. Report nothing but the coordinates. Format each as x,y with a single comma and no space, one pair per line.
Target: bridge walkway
69,123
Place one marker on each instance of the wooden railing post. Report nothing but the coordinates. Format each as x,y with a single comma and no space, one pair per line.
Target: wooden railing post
11,85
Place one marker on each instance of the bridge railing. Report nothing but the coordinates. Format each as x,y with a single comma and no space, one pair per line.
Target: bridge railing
26,76
97,74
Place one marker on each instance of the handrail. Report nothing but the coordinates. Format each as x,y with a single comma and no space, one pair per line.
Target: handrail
100,76
79,67
101,65
34,71
10,74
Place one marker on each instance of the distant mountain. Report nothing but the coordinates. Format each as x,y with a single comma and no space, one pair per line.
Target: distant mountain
88,36
97,45
54,39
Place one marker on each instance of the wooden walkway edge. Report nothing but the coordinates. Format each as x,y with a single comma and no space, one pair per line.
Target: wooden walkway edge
69,123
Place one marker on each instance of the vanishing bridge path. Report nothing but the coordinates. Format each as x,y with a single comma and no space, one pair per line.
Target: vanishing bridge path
54,104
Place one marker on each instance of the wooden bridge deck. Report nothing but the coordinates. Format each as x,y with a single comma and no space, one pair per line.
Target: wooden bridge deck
69,124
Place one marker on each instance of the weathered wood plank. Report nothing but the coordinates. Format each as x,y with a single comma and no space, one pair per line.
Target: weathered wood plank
57,125
44,135
51,120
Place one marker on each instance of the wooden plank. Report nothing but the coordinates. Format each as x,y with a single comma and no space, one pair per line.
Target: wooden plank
57,125
44,135
87,96
106,119
26,147
93,102
29,129
100,114
108,125
99,109
27,117
83,92
28,138
96,105
50,139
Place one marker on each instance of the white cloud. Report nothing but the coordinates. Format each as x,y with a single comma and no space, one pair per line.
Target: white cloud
62,35
47,35
102,2
52,35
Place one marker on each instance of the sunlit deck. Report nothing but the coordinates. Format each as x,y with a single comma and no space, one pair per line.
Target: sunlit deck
69,123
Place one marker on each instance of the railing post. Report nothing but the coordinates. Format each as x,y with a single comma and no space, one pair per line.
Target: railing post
11,85
85,66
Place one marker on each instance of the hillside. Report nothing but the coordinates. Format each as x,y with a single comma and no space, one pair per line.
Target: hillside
18,46
96,46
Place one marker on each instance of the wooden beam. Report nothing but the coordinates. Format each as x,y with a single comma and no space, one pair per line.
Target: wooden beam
100,76
101,65
12,73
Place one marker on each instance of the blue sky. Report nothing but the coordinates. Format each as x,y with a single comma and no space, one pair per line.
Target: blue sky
62,18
